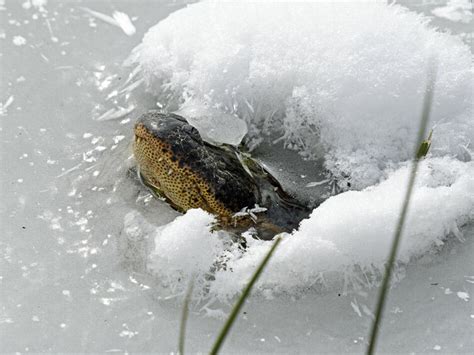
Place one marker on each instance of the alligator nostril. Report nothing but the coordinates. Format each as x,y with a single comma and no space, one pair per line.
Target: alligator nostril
140,132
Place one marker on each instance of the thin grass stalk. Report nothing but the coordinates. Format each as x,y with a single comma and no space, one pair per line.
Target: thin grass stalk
184,317
384,289
240,302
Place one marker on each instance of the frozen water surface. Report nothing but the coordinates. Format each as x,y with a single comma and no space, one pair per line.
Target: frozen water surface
91,263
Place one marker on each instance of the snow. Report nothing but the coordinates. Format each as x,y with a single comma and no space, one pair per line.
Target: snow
4,106
312,74
38,4
455,10
19,41
463,295
349,245
188,239
343,82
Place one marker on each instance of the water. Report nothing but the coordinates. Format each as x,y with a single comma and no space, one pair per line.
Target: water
73,276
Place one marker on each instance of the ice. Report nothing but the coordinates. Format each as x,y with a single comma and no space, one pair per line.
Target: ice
72,286
214,126
116,113
124,22
342,80
4,106
119,19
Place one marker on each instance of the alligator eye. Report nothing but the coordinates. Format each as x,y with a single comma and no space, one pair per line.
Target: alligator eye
190,129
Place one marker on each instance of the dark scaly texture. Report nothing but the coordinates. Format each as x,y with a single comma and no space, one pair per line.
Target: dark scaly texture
176,163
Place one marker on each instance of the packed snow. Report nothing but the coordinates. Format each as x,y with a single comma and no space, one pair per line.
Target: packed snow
342,82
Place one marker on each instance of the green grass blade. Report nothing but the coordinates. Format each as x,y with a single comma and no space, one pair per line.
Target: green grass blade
401,220
424,147
184,317
240,302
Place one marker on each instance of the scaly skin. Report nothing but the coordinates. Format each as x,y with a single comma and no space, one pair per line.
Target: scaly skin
177,164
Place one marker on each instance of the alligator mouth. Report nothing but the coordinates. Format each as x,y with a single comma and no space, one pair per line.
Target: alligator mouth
143,136
141,132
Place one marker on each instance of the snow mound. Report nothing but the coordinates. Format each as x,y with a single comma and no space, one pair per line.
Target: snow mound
341,80
185,248
346,239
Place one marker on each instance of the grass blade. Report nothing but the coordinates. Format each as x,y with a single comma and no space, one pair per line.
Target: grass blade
238,305
401,220
184,317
